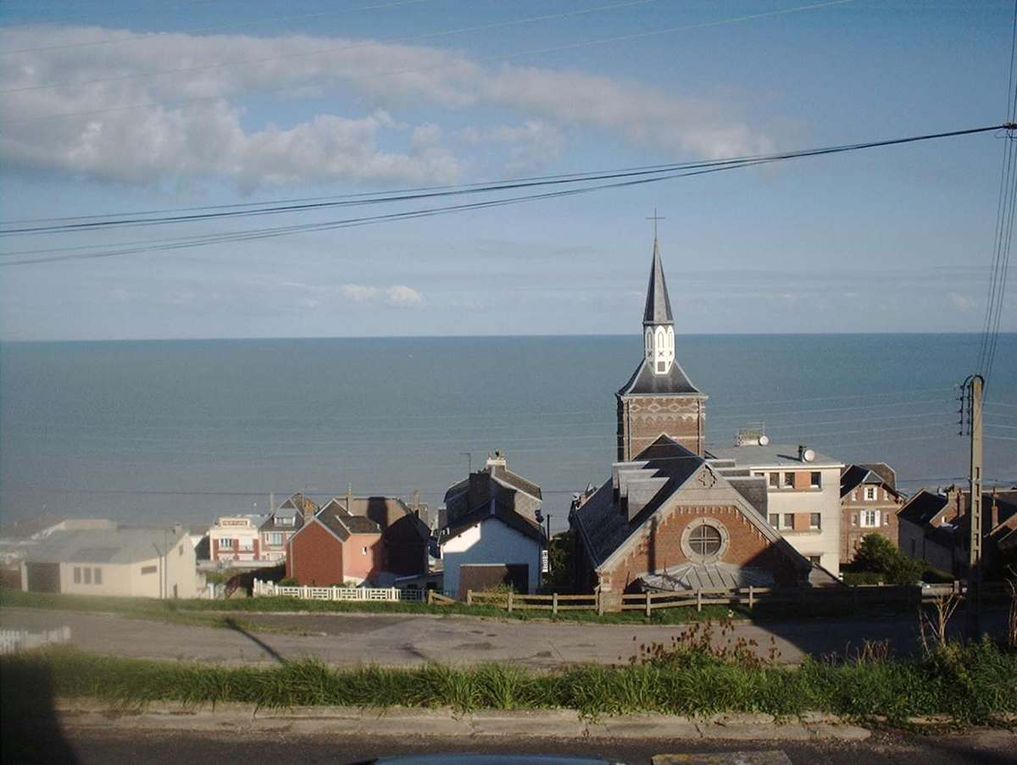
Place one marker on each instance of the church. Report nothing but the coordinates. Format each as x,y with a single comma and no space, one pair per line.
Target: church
670,518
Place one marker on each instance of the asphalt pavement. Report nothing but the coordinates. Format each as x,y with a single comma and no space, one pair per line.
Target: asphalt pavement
113,747
411,639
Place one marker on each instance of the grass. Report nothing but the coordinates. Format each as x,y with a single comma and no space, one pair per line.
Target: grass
973,685
208,612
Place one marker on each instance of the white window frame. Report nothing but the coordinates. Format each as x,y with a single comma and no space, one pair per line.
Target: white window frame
870,493
246,545
869,515
819,521
274,538
226,543
818,483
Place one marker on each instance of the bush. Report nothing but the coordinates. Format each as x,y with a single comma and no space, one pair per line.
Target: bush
877,555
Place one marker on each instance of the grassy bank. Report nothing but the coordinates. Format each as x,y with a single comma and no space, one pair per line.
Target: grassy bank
205,611
973,685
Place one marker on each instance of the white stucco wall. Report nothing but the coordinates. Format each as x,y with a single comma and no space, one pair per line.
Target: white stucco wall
490,541
826,501
127,579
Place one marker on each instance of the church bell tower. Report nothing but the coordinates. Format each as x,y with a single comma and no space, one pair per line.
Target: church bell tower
659,399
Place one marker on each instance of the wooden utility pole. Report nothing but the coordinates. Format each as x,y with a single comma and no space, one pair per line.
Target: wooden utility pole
975,385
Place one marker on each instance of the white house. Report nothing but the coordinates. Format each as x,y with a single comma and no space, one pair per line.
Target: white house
802,497
490,547
149,563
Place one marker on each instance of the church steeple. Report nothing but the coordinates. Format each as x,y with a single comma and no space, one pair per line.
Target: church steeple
658,304
659,398
658,321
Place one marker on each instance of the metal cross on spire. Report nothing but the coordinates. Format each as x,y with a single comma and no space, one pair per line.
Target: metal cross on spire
655,218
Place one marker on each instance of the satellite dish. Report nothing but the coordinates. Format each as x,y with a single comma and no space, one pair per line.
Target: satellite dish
764,440
808,455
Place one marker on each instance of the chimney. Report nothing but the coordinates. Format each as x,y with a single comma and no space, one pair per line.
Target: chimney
271,502
349,498
995,510
306,508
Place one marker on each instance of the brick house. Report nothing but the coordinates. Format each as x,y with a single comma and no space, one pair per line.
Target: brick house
668,520
404,535
869,505
934,527
380,540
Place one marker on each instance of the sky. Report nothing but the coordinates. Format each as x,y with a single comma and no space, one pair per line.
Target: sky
128,105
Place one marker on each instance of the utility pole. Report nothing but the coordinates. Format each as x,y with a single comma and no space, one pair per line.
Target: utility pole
973,388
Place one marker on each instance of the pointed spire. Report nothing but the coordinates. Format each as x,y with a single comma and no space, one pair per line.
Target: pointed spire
658,305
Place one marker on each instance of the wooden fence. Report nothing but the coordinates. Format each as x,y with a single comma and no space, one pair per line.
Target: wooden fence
357,594
847,597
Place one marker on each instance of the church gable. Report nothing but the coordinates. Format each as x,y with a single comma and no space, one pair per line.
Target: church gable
704,526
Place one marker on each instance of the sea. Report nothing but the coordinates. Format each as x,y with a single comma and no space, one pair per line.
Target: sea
158,432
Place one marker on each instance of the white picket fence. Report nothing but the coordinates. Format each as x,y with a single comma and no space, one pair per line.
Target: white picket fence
13,641
361,594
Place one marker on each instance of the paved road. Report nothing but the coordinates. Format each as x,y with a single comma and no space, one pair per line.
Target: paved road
400,640
112,748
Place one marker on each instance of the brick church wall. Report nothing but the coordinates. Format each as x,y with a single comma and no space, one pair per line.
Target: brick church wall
746,547
642,419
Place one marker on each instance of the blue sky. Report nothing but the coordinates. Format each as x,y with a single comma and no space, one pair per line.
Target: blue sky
131,105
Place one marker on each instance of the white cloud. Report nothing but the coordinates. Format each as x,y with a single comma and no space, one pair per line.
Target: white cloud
961,302
358,293
403,296
532,144
190,123
397,295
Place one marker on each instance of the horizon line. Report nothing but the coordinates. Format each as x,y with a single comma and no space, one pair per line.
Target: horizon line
13,341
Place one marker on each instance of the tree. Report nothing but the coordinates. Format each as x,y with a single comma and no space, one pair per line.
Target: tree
878,555
559,555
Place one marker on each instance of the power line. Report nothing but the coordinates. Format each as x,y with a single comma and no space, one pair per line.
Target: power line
703,168
547,415
1005,210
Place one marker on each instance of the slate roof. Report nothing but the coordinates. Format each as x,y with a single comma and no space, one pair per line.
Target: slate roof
300,503
505,476
335,518
605,527
854,476
112,546
475,491
922,507
506,515
274,520
658,304
644,382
